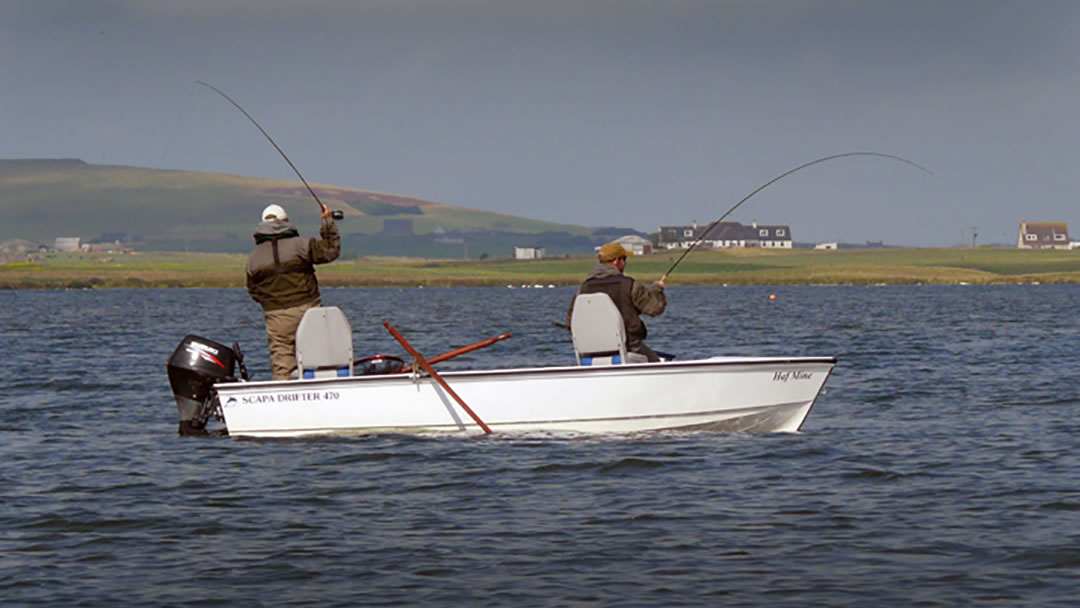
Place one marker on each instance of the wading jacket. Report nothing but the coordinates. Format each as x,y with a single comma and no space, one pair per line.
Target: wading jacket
630,297
281,271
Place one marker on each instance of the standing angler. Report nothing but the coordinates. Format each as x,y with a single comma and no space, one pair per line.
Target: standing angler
281,277
630,297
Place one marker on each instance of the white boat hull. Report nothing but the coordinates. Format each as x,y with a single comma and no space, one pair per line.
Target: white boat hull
728,394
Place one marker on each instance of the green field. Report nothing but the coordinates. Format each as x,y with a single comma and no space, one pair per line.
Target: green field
730,267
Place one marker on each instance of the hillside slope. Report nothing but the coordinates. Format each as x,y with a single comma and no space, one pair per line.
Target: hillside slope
41,199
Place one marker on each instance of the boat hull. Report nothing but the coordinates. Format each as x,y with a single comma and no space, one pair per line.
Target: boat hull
725,394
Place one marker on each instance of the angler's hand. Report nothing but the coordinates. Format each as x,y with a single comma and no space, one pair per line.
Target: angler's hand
326,212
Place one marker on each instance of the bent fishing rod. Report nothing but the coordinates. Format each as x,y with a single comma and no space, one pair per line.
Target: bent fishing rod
776,179
337,215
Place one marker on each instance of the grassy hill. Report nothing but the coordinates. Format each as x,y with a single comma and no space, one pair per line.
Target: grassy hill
41,199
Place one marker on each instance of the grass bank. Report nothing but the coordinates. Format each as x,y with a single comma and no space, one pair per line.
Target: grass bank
730,267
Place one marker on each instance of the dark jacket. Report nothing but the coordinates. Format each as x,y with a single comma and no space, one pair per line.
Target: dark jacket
281,271
630,297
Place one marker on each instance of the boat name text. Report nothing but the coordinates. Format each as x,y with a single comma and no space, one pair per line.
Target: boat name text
792,374
289,397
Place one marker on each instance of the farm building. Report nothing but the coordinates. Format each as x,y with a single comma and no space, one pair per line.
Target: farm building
633,243
528,253
68,243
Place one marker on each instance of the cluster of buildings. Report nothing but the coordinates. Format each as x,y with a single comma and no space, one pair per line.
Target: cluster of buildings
1032,235
71,244
24,250
19,250
722,235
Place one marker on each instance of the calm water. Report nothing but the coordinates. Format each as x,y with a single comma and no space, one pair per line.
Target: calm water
940,468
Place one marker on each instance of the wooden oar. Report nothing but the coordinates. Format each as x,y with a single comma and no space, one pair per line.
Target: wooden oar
461,351
427,367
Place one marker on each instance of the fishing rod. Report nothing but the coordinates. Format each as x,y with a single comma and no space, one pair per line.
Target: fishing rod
337,215
776,179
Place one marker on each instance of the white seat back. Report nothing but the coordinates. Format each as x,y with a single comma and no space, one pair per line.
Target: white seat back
599,333
324,344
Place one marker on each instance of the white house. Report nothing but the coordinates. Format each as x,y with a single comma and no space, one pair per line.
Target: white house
633,243
1043,235
528,253
68,243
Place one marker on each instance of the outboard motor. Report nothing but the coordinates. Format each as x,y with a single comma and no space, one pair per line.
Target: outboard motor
194,367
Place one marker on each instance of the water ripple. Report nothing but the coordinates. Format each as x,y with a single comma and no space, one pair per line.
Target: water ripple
936,470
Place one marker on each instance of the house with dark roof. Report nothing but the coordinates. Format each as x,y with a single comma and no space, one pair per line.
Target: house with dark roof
726,234
1043,235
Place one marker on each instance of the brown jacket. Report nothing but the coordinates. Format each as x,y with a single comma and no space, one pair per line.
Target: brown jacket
630,297
281,271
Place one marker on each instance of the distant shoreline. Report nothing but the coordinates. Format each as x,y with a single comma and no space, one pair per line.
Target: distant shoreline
723,267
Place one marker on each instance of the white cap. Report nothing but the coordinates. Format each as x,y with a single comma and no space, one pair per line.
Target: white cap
274,212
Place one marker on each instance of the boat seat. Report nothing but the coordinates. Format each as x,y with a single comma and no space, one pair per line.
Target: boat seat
599,333
324,344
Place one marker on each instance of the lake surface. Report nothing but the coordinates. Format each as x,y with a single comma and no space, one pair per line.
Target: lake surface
940,467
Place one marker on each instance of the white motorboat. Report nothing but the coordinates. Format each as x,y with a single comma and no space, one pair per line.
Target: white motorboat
728,394
760,394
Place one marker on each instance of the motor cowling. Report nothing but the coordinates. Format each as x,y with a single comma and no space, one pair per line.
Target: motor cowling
378,365
194,367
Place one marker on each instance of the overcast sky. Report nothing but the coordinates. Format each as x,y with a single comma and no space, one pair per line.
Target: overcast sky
605,112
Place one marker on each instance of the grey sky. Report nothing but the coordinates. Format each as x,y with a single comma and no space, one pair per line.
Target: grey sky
614,112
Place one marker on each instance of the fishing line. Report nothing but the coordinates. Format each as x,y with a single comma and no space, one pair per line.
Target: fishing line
337,214
778,178
176,125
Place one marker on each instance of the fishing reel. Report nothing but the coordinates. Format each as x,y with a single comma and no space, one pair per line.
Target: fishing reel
337,214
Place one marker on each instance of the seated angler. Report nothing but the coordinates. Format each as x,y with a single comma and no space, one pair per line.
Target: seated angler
630,297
